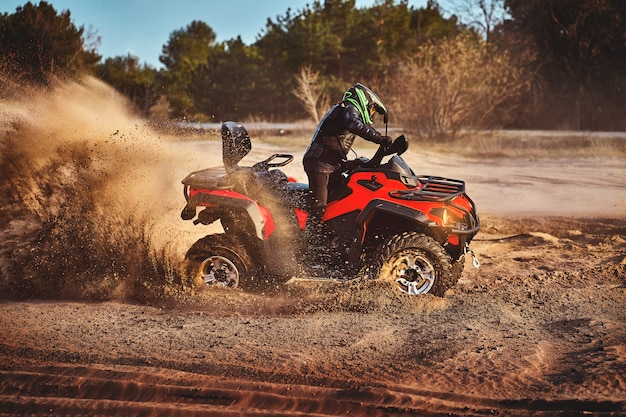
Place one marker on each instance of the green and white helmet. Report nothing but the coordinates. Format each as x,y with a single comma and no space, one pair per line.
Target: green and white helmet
366,102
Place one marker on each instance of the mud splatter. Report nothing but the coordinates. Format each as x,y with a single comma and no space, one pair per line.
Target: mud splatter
85,188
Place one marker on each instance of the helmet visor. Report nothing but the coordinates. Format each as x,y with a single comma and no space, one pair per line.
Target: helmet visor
372,99
376,108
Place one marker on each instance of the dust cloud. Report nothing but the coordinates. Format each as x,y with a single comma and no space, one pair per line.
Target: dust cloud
89,196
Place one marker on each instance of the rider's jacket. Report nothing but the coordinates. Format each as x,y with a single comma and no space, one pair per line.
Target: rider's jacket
336,133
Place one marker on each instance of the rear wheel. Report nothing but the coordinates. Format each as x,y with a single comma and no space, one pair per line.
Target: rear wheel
219,260
416,264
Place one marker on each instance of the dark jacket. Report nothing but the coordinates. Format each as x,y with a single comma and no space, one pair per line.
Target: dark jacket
336,132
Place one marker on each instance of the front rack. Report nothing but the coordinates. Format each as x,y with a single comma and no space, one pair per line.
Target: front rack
432,189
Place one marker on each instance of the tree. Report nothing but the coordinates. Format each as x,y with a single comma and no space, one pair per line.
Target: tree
206,80
483,15
311,93
38,44
229,84
390,31
185,51
137,82
344,44
579,50
310,38
456,83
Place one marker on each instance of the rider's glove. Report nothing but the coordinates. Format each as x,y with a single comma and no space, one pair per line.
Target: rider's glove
385,141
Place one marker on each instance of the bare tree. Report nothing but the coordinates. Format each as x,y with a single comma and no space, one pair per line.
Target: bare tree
483,15
312,93
459,83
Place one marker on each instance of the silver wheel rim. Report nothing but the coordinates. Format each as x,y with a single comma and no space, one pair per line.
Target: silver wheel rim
218,270
414,272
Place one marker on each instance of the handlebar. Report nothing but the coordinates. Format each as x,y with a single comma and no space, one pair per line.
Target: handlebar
399,146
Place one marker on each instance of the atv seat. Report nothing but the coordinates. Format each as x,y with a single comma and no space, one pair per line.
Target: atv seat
209,179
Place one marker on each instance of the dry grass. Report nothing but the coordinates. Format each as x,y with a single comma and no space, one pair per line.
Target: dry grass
489,144
471,143
539,144
478,144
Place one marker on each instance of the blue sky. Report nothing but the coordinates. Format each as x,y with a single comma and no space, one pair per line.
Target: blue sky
142,27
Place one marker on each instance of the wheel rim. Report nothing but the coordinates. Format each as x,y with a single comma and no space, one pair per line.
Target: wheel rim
413,272
218,270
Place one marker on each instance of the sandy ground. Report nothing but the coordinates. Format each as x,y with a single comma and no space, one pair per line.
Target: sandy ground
538,329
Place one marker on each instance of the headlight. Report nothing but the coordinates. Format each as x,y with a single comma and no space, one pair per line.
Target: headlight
449,218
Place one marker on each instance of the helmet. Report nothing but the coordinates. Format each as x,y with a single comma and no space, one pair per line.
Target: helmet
365,100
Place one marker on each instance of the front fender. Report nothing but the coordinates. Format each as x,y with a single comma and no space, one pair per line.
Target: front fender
379,206
399,210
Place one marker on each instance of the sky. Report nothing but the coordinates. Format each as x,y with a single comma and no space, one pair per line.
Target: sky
142,27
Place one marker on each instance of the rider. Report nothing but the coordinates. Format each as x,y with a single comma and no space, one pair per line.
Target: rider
334,137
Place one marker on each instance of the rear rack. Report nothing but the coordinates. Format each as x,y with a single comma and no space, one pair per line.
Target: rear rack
432,189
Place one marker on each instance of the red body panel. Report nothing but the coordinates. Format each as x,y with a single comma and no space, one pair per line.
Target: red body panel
361,196
301,216
270,226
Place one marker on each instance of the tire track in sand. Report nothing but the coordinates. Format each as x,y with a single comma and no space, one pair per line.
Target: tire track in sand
103,390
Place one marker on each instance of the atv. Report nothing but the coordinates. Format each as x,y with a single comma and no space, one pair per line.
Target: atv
382,221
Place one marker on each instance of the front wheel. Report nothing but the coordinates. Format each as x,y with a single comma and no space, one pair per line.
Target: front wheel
416,264
219,260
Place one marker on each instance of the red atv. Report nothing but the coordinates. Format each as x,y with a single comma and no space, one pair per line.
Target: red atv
382,221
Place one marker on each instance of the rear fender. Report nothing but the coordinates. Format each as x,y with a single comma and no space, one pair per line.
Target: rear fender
259,215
